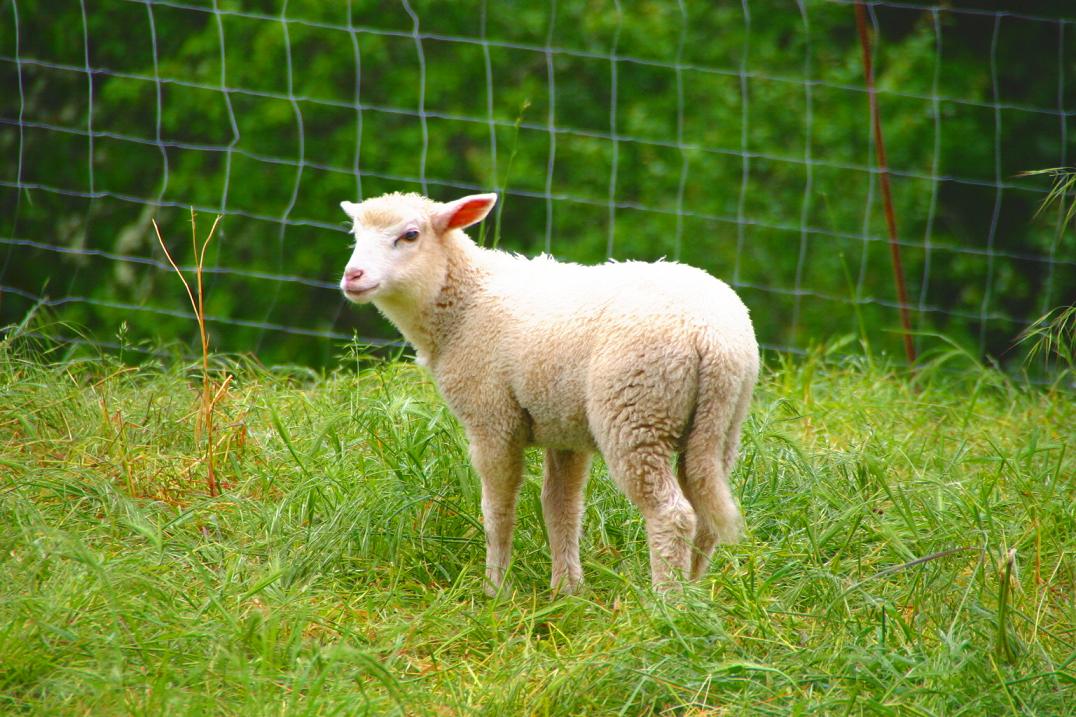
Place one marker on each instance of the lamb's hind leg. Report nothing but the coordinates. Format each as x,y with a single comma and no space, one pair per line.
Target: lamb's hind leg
704,469
705,484
562,506
641,394
645,475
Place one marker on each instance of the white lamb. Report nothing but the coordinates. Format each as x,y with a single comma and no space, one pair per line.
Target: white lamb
637,360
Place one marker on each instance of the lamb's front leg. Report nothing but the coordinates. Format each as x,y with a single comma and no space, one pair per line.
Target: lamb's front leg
562,507
500,466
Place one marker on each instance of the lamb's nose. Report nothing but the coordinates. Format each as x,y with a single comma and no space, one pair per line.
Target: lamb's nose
353,275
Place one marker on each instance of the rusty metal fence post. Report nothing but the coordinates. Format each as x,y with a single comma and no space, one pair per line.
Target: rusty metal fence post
883,170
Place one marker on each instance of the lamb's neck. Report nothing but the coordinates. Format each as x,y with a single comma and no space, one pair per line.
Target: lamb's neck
429,320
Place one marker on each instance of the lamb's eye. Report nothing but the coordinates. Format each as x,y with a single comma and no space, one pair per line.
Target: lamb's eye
408,236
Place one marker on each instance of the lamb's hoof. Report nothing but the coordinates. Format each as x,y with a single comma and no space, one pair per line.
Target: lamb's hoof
495,591
565,585
668,584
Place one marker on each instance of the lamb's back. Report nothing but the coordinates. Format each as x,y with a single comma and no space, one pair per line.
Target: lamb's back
560,299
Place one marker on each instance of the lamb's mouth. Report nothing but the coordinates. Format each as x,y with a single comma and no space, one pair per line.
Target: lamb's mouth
356,294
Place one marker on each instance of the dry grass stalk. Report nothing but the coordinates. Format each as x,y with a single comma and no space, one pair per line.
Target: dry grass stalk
209,397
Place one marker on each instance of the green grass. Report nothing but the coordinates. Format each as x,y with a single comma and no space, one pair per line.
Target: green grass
340,570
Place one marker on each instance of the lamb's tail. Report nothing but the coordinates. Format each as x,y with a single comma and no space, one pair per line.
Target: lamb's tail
727,376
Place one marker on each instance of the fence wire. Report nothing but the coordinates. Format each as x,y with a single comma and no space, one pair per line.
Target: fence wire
781,202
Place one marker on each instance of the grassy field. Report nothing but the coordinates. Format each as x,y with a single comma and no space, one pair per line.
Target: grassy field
910,550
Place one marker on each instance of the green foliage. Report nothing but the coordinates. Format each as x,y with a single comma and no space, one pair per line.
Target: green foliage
1053,338
909,551
1053,335
280,148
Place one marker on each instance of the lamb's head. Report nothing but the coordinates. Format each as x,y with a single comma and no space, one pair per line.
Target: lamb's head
400,251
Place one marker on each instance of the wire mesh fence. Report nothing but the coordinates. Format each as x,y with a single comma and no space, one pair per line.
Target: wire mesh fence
736,137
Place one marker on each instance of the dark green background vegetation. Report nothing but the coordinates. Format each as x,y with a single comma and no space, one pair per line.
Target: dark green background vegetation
277,152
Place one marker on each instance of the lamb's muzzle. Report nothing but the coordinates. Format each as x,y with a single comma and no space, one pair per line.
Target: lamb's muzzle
641,361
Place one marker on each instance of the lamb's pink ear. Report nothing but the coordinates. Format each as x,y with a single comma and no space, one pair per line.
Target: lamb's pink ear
463,212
